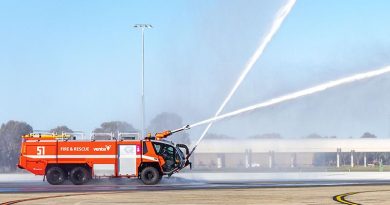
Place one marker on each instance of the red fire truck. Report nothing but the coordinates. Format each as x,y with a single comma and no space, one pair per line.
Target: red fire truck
60,157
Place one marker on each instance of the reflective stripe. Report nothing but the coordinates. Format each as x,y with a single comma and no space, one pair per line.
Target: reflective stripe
149,158
86,156
69,156
129,156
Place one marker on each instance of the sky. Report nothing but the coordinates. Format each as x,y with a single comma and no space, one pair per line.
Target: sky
78,63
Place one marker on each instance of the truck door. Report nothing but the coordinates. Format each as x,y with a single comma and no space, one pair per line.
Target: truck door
127,159
167,152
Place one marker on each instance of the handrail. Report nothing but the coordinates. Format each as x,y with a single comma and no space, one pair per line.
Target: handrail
94,134
65,136
124,135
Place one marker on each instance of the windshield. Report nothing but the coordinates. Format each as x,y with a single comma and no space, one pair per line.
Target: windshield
180,153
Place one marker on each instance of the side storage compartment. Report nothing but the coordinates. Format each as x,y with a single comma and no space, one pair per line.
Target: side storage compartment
103,170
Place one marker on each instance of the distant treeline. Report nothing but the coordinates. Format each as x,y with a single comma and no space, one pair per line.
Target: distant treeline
11,132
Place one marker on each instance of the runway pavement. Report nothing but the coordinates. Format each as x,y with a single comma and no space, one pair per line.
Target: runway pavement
27,183
213,188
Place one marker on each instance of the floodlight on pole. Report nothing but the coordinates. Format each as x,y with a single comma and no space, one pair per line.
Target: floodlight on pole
143,27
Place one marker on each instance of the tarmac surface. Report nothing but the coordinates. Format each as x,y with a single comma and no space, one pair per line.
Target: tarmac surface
336,188
27,183
176,184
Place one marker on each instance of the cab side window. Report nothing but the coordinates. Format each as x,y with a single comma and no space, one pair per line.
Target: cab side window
161,148
145,148
157,148
170,150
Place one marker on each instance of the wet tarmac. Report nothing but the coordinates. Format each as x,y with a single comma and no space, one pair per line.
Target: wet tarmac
173,183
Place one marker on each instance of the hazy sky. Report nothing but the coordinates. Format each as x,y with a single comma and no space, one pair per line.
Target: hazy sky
77,63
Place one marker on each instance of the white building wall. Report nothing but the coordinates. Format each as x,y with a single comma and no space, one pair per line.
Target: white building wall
293,145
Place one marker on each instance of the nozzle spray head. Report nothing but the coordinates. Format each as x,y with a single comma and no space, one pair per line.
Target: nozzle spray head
181,129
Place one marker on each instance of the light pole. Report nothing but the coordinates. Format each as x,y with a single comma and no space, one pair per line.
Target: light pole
143,27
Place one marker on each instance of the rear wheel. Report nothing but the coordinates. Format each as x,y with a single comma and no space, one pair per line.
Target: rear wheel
55,175
79,175
150,176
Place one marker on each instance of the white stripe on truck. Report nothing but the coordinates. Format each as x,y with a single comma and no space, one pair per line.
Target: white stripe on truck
86,156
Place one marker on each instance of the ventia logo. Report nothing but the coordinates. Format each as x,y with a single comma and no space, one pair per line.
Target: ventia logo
102,149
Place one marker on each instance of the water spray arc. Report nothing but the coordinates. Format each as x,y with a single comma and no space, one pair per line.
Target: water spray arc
299,94
279,18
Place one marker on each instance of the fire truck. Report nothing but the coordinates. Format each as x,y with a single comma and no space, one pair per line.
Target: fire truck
61,157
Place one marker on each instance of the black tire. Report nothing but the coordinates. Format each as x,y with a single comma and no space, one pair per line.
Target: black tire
150,176
55,176
79,175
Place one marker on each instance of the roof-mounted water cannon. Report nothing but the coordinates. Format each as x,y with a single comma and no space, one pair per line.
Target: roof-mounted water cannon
167,133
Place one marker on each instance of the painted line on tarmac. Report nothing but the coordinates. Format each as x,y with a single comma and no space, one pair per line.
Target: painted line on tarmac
67,195
341,197
48,197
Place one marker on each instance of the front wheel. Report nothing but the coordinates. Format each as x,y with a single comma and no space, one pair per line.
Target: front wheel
55,176
79,175
150,176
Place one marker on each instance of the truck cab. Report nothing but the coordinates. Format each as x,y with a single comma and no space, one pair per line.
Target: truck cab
172,155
